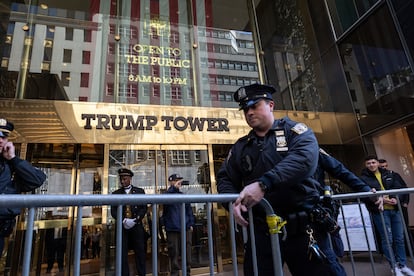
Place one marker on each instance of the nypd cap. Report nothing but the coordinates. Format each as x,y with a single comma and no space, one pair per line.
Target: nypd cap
175,177
249,95
5,127
124,171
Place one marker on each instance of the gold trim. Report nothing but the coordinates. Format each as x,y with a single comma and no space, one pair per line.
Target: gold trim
65,122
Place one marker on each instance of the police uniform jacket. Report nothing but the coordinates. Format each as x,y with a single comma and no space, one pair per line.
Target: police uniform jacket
336,169
172,214
16,176
138,211
389,181
285,161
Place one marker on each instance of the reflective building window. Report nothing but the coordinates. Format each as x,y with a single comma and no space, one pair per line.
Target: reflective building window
378,71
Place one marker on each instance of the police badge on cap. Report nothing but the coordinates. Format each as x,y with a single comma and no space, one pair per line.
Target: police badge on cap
5,127
249,95
125,171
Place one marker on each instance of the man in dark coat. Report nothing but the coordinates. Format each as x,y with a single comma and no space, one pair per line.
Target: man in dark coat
133,233
392,242
277,161
16,176
172,221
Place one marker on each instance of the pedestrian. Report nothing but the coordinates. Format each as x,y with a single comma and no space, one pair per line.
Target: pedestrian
276,160
16,176
96,243
392,241
171,218
133,234
336,169
55,247
404,200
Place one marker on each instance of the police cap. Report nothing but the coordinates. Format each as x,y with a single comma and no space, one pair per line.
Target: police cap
5,127
125,171
249,95
175,177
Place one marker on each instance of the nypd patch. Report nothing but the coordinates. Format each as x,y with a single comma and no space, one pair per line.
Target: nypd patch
300,128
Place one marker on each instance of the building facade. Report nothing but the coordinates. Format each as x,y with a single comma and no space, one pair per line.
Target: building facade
96,85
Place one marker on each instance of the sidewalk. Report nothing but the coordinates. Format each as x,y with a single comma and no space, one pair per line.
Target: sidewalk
362,266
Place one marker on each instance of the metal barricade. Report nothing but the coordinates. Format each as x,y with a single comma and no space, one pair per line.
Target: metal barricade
274,222
350,261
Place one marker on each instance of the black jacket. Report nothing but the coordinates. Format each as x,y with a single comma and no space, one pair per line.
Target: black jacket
16,176
284,160
138,211
172,213
336,169
391,180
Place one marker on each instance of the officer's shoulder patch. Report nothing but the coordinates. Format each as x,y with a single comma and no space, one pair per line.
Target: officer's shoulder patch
300,128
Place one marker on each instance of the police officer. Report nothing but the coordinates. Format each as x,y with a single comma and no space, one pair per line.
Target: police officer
172,221
16,176
336,169
276,160
133,233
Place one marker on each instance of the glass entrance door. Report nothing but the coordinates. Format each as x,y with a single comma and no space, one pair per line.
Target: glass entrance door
92,169
70,169
152,165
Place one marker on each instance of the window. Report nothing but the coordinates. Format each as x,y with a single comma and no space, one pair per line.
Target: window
180,157
226,80
67,55
145,91
87,35
65,78
86,57
69,34
84,82
128,90
176,93
50,32
133,69
134,32
156,91
110,68
112,29
174,37
111,48
47,54
124,31
109,89
141,155
175,72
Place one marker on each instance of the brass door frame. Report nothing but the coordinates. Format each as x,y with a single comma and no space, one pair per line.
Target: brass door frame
168,147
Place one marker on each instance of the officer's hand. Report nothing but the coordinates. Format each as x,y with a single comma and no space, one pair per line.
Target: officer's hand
238,210
8,151
250,195
129,223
